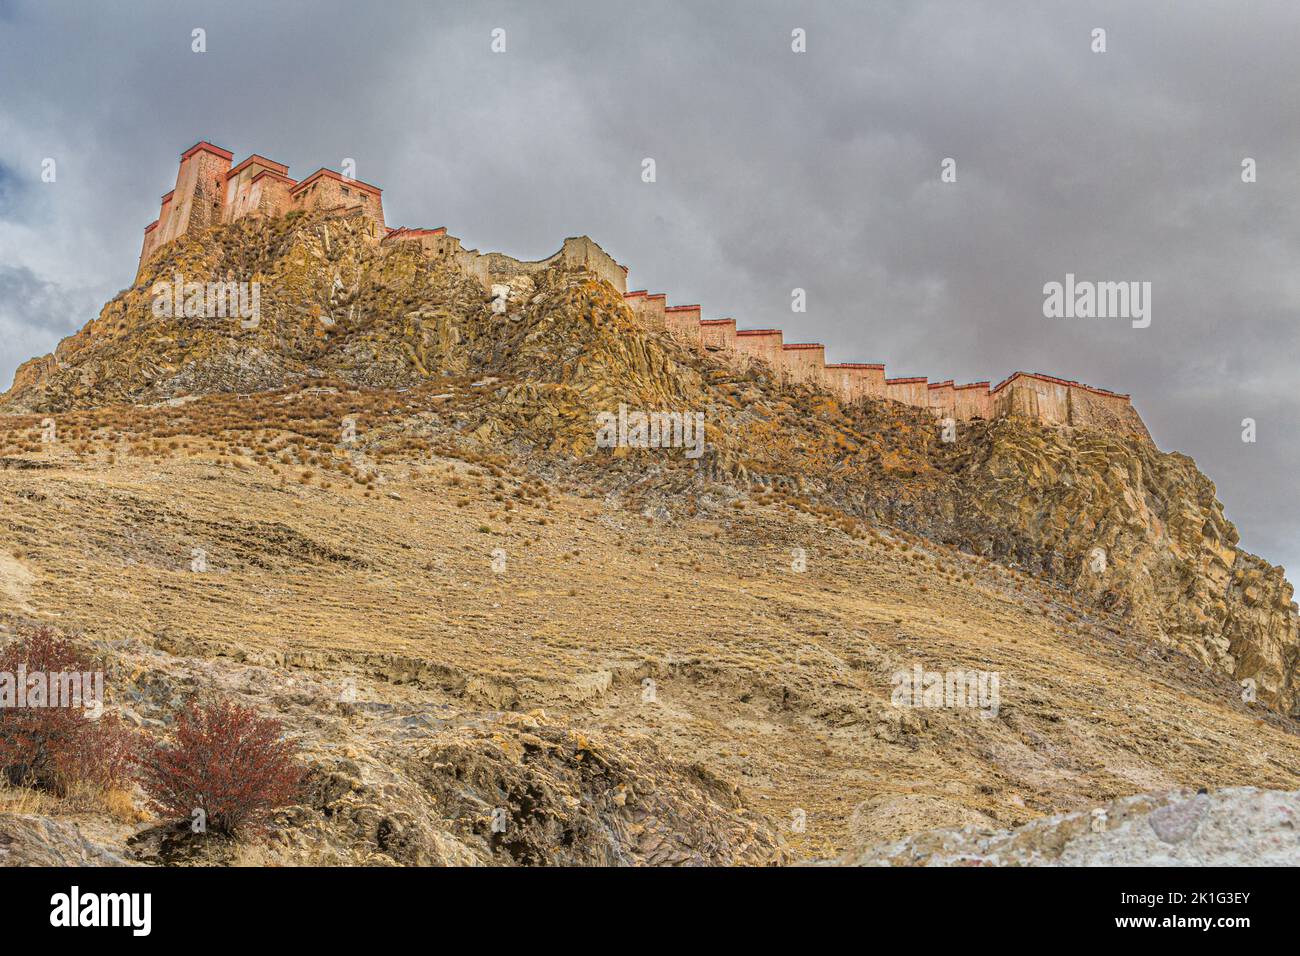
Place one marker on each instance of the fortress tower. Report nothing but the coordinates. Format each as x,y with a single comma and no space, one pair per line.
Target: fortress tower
196,200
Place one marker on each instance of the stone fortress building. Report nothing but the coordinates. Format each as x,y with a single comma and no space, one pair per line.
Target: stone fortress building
210,190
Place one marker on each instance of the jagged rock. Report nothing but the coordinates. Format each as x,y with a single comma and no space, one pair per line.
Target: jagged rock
32,840
1236,826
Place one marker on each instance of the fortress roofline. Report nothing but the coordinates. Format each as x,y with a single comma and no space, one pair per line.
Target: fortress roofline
1056,381
411,232
203,146
324,173
272,174
280,168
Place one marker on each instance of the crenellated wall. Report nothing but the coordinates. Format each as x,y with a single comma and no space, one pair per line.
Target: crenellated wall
908,391
1033,395
209,191
684,322
942,397
582,251
972,401
493,267
656,310
855,381
762,345
718,335
804,363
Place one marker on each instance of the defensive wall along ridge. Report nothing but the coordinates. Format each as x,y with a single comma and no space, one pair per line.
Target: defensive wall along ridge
211,190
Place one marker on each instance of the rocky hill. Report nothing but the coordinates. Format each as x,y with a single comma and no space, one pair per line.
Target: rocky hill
351,463
338,306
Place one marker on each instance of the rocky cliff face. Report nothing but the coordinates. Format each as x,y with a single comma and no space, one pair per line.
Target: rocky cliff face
329,303
1132,532
1138,531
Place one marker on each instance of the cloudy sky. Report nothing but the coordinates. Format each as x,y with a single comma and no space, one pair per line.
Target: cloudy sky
775,170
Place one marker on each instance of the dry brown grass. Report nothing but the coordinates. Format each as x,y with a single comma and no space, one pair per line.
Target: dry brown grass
792,670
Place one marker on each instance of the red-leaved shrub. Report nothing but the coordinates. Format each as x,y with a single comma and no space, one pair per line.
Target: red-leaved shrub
225,761
55,748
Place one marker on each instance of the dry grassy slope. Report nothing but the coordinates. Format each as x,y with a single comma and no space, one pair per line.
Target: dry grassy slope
777,680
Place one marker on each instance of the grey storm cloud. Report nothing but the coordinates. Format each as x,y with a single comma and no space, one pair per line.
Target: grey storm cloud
34,313
775,170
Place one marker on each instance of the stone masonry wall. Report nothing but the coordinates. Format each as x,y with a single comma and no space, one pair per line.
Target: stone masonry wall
854,381
200,187
1029,394
684,322
804,363
763,345
908,391
718,335
271,194
325,189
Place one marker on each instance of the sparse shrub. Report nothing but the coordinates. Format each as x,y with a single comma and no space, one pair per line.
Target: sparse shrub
58,749
225,760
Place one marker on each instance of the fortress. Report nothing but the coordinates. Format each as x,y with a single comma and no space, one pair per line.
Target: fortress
210,191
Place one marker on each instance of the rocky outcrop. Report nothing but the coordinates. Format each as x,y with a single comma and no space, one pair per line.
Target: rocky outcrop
398,775
1237,826
28,839
1137,531
329,301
